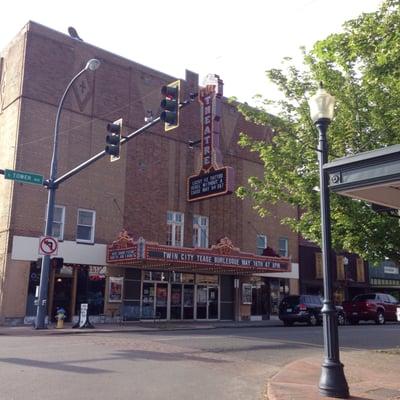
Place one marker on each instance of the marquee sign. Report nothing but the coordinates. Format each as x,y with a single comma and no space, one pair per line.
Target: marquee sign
222,256
213,179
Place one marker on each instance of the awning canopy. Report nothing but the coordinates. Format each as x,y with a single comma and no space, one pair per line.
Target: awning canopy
373,176
221,258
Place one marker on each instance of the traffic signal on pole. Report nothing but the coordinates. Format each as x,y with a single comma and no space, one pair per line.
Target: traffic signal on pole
170,105
113,140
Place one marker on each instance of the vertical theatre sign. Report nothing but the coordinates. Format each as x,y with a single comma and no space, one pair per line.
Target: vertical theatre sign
213,179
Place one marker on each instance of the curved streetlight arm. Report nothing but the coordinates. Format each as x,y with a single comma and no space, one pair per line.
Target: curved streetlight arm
54,159
92,65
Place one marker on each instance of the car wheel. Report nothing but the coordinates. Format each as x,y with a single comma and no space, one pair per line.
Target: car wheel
312,320
287,323
341,319
354,321
380,318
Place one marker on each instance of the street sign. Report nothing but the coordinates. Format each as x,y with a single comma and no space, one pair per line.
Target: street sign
22,176
48,246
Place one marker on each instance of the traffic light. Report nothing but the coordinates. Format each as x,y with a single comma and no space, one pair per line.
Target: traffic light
170,105
113,140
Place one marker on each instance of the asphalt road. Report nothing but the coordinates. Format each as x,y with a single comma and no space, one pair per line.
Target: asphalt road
214,364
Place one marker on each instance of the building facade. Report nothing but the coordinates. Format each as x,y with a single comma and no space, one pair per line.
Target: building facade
350,273
141,198
385,278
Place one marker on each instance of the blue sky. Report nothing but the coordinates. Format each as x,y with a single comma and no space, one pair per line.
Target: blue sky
238,40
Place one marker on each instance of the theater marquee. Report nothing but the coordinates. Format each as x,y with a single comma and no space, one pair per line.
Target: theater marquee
222,257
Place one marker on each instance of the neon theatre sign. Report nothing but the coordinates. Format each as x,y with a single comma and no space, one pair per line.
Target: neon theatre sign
213,179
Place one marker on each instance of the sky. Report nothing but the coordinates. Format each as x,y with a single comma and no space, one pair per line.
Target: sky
238,40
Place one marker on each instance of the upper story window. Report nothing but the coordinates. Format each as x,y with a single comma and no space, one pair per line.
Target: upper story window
340,268
261,244
85,226
175,223
200,231
58,222
318,266
283,247
360,270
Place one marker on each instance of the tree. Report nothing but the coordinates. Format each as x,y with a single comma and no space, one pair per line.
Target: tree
361,68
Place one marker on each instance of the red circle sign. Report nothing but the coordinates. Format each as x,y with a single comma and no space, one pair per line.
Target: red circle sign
48,245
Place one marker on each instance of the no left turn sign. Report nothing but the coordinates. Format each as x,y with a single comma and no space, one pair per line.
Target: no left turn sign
48,246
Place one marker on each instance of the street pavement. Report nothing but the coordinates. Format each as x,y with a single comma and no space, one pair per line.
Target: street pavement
371,374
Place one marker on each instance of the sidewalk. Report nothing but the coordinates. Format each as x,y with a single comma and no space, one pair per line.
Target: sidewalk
371,375
136,326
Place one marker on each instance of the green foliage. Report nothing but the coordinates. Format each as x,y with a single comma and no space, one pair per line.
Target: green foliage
361,68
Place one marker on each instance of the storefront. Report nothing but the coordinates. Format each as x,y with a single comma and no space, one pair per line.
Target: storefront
146,281
176,283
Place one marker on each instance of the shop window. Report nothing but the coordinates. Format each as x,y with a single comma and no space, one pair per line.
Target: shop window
261,244
85,226
340,268
283,247
200,231
318,265
175,222
360,270
207,279
156,276
180,277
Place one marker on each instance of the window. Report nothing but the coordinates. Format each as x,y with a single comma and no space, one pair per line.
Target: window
318,265
283,247
200,231
360,270
340,268
85,226
175,222
261,244
58,222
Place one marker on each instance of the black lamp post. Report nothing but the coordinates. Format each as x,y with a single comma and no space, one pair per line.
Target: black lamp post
332,382
91,65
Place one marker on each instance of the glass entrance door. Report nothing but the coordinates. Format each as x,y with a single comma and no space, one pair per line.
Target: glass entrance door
201,302
207,302
188,301
161,300
148,300
213,303
176,301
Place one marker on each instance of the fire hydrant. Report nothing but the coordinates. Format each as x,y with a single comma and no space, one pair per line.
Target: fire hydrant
60,316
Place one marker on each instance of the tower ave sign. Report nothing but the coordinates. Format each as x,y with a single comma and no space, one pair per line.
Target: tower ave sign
25,177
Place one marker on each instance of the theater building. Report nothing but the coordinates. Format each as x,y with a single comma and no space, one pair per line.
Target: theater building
159,233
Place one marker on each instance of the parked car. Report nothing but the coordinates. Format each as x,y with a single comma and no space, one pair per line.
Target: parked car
305,308
378,307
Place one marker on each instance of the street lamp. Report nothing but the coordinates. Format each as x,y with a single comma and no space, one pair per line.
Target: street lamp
91,65
332,382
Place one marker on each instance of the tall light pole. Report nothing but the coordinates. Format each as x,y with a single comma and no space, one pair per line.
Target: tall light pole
333,381
91,65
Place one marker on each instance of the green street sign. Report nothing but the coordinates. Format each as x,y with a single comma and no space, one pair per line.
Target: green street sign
22,176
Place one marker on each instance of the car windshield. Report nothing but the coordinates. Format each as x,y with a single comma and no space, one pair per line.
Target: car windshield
363,297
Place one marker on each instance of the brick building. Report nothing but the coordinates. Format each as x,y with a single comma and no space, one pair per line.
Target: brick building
350,272
144,193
